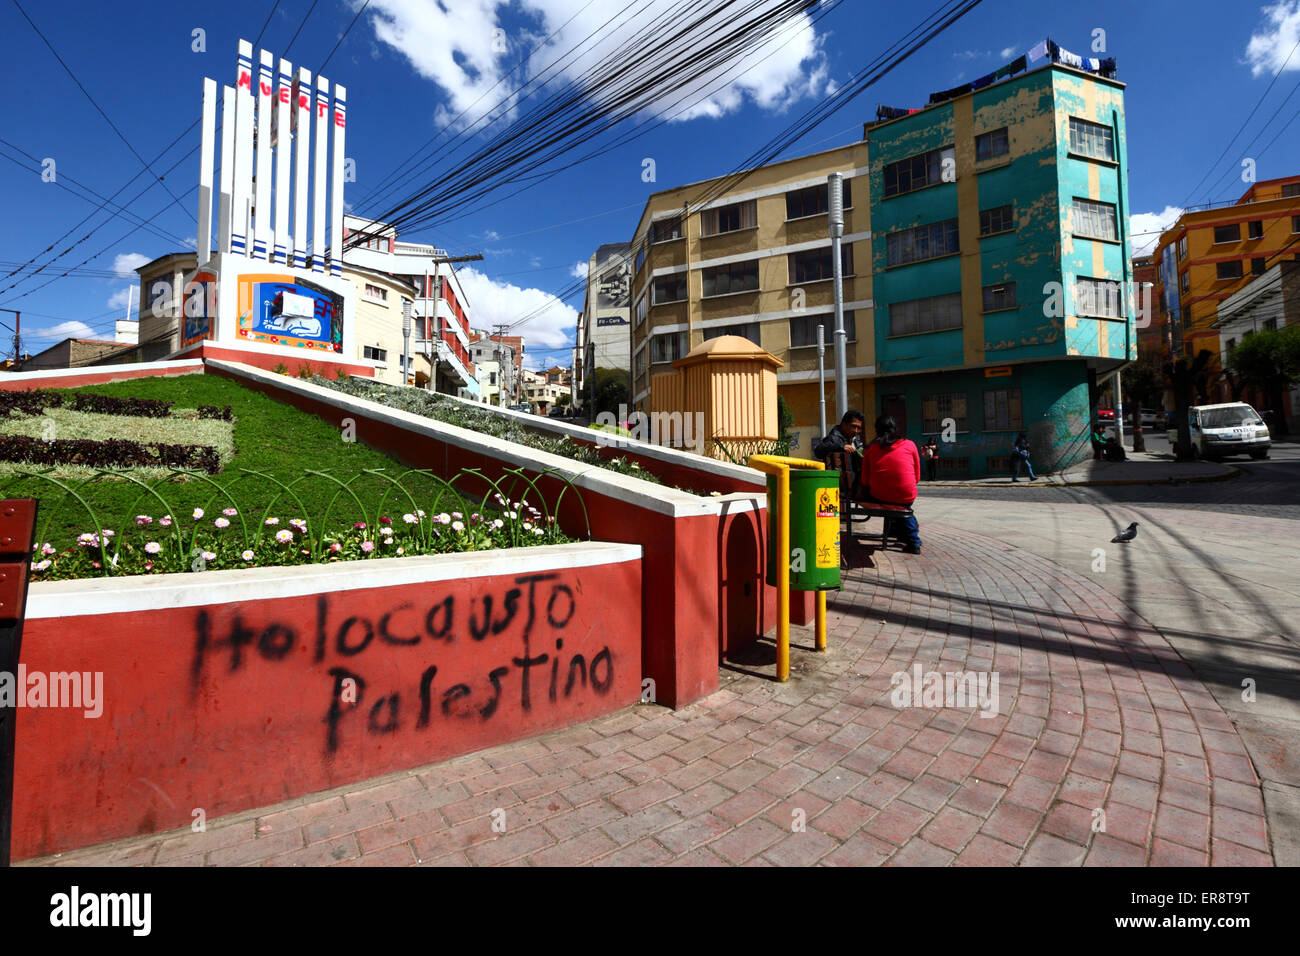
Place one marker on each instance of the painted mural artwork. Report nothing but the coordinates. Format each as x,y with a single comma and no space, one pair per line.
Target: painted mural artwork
427,667
198,308
292,311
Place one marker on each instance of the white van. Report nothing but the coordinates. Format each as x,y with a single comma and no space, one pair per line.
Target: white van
1233,428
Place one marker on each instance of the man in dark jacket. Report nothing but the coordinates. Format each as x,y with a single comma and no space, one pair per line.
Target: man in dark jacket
847,433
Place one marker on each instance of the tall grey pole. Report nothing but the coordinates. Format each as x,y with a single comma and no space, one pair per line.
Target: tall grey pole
406,338
835,187
821,377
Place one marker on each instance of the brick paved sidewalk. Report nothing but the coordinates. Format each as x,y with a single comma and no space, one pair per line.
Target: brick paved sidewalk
1105,751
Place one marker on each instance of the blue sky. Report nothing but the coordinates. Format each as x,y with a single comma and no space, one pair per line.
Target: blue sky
1194,69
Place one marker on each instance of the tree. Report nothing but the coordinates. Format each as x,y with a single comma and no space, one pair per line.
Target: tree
563,400
1184,378
611,388
1143,380
1269,361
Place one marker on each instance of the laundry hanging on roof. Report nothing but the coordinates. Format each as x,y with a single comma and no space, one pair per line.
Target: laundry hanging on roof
893,112
1038,50
950,94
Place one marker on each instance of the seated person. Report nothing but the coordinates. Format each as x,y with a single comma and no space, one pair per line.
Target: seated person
845,437
890,470
1104,446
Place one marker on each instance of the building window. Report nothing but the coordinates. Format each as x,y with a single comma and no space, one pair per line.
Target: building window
998,219
1185,281
1187,322
667,348
1295,223
667,289
917,172
747,330
641,309
1255,229
1091,139
1232,344
814,200
803,329
640,364
640,257
923,242
1228,270
739,215
1258,265
1002,410
666,230
1098,297
932,314
1290,190
1270,325
735,277
374,354
1094,220
992,144
814,265
376,293
936,408
1182,248
1002,295
1230,233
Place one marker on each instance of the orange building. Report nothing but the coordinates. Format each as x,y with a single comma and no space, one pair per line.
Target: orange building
1210,253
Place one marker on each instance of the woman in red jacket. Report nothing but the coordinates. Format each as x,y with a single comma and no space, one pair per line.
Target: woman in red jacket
891,468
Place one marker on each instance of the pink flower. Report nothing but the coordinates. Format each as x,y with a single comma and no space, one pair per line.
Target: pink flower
165,521
143,520
383,520
229,512
153,547
359,526
284,536
222,522
367,546
336,547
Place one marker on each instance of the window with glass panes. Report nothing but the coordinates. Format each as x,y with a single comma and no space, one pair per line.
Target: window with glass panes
803,329
997,219
1230,233
641,309
916,172
1002,410
669,289
734,277
1099,297
1228,270
922,242
1257,266
668,347
814,200
1255,229
1091,139
932,314
746,330
813,265
1182,248
720,219
666,229
640,256
992,144
1095,220
1001,295
935,409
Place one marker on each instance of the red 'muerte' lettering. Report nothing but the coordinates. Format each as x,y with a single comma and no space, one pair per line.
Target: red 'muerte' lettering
245,79
320,109
338,118
265,88
284,94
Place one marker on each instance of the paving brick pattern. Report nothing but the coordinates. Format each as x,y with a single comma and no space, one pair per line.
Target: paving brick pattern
1105,751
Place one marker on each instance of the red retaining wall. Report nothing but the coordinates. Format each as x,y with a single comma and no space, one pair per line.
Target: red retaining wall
235,701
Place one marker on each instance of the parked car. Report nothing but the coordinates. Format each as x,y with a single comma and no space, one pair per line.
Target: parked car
1230,428
1105,415
522,407
1151,418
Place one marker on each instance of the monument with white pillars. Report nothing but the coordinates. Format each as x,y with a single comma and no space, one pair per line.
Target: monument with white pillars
274,280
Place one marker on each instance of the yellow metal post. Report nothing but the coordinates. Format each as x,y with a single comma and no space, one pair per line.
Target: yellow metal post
779,466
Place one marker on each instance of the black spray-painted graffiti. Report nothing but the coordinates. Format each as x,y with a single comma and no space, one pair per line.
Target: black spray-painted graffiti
526,610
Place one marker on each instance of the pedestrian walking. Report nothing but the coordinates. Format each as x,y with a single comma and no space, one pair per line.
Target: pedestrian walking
930,455
1020,457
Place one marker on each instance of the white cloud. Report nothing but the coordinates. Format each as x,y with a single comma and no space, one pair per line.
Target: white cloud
971,54
126,264
1268,49
1007,52
493,303
491,235
1152,223
464,48
66,330
119,298
579,270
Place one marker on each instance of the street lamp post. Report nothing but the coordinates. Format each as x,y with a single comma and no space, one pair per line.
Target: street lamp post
835,209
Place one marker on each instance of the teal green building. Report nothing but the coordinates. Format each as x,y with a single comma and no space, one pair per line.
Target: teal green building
1000,259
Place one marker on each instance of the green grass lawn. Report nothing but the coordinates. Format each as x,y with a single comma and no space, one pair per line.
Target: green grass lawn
271,438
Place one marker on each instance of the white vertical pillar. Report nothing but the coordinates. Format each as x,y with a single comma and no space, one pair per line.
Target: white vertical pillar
302,165
225,207
263,236
336,185
207,160
239,239
322,125
283,152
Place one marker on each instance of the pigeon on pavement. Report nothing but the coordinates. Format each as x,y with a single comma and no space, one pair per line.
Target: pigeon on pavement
1128,534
